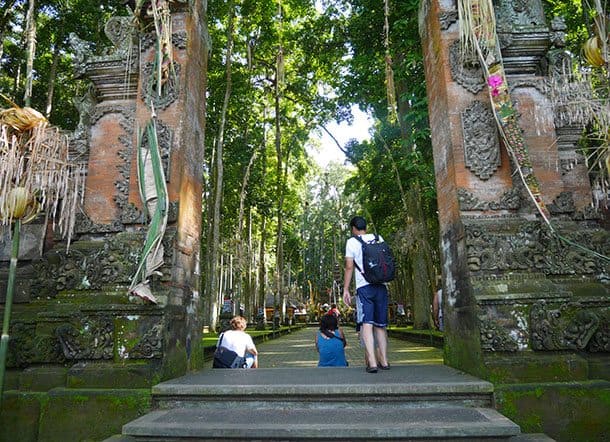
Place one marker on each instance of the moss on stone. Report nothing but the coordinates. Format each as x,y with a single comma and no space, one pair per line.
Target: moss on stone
570,411
174,362
43,378
522,367
463,354
197,358
128,375
20,415
101,413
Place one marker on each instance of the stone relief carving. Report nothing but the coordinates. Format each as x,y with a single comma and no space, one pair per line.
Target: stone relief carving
121,31
564,203
170,91
93,265
150,345
519,14
85,104
469,74
129,214
587,213
179,39
495,337
90,266
481,143
82,50
88,338
523,35
529,246
447,18
558,34
147,41
172,212
569,326
84,224
510,200
21,347
600,342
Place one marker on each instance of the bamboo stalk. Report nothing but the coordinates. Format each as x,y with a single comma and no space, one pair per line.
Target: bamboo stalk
8,305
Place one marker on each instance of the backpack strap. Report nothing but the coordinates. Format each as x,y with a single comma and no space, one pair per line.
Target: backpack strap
332,335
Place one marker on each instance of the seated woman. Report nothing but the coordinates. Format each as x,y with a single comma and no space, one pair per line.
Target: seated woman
330,343
240,342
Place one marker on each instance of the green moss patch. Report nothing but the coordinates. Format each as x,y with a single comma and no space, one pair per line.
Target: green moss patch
570,411
90,415
105,375
20,415
526,368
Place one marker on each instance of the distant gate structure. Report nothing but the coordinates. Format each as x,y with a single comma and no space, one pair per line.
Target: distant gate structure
517,300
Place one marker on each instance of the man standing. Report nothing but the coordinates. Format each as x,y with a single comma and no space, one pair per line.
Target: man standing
371,299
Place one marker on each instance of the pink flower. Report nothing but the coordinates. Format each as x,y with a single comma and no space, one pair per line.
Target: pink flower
494,81
495,92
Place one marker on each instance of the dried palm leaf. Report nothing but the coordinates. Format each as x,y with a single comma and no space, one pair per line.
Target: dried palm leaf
22,118
36,175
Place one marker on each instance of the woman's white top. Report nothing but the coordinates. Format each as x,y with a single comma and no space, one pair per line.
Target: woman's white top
237,340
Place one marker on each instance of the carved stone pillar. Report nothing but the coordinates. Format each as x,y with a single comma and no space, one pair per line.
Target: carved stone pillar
515,293
79,309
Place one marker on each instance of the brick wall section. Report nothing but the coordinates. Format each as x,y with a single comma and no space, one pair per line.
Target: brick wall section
103,168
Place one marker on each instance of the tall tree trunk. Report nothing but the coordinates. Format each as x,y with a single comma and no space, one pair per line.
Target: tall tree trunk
17,80
30,51
242,262
404,107
421,258
52,78
262,270
279,259
218,186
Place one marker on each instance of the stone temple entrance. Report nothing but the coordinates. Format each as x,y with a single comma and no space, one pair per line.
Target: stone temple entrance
523,310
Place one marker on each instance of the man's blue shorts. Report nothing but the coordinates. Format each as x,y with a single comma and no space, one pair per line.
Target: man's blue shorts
372,305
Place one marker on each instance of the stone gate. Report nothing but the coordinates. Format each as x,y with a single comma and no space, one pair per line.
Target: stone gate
523,308
80,345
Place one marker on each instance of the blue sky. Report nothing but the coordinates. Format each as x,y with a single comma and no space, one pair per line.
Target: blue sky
343,133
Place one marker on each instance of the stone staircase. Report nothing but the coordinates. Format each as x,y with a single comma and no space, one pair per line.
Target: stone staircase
406,403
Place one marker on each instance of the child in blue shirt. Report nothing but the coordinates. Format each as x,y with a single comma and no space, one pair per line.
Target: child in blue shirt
330,343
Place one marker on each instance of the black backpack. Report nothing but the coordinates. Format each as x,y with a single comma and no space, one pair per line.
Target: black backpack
377,260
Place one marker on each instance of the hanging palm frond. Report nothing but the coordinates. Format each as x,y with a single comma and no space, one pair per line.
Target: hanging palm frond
477,31
580,97
35,171
153,192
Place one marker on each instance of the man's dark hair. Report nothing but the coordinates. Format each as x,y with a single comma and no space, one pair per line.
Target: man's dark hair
358,222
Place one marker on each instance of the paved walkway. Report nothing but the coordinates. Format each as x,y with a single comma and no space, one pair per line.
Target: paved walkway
298,349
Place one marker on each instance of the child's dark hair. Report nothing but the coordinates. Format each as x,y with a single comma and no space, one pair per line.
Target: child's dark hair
329,322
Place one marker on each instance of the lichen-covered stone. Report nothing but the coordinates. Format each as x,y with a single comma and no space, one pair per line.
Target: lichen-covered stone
20,415
570,411
112,376
42,378
86,414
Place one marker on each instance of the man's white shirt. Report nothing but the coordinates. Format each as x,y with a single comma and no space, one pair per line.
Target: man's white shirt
353,249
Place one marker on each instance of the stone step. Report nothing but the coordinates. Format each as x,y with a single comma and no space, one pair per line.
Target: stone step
413,386
306,424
